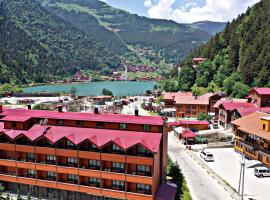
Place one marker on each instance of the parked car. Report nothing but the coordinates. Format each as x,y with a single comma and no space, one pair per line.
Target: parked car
207,156
261,172
215,125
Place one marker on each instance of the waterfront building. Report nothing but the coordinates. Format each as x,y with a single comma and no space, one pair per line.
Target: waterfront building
64,155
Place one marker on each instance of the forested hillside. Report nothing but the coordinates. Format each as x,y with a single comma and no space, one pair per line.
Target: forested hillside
36,45
46,40
210,27
137,39
237,58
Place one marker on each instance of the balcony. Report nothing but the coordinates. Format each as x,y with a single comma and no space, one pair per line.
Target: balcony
143,173
118,170
117,187
144,191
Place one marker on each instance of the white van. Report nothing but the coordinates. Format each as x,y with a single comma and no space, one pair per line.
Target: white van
261,172
207,156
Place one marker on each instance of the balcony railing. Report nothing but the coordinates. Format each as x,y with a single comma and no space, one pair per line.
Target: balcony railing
117,187
143,191
118,170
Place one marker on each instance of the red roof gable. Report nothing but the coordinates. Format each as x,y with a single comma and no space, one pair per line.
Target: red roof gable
99,137
246,111
229,106
261,91
24,115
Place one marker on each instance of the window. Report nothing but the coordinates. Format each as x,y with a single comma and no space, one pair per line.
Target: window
94,163
116,148
142,150
72,160
59,122
118,184
94,180
118,166
143,168
146,127
70,144
51,175
80,123
31,172
72,177
92,147
50,158
264,127
30,156
100,124
123,126
142,188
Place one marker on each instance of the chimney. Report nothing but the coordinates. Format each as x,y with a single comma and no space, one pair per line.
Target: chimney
136,112
29,107
96,110
60,108
1,108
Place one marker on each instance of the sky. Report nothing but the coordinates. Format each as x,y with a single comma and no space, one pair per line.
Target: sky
185,11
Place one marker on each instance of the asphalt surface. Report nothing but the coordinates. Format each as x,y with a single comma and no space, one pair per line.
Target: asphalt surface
201,185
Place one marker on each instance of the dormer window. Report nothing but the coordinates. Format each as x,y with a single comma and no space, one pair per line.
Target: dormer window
116,148
70,144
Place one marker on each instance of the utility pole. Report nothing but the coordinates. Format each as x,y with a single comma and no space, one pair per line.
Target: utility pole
242,177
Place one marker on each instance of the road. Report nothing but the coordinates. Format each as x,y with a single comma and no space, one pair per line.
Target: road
201,185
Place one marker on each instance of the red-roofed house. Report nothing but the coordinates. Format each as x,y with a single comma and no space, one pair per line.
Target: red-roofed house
260,96
191,106
241,112
198,60
55,155
225,108
169,98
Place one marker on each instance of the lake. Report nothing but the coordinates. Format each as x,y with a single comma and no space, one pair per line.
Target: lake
119,88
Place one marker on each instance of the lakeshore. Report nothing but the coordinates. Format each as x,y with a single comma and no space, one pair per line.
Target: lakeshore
119,88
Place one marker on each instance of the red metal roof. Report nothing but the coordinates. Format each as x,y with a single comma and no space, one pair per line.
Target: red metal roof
172,95
192,100
223,100
188,134
229,106
24,115
198,59
261,91
188,122
100,137
246,111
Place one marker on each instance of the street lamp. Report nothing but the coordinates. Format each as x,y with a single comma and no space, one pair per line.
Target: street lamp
242,176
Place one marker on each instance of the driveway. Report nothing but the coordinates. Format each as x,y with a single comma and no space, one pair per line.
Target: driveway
201,185
227,165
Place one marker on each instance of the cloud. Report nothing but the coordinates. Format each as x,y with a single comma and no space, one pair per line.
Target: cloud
213,10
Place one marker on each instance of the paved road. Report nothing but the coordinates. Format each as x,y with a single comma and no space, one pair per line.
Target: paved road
201,185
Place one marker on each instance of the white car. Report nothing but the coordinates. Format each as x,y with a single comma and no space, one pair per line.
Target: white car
261,172
207,156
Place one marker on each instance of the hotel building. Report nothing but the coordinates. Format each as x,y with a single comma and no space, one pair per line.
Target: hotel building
64,155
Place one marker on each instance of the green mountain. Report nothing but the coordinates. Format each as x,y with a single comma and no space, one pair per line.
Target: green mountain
44,40
137,39
209,26
237,58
